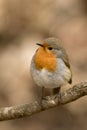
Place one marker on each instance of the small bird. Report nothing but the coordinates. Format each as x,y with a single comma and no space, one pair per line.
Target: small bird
50,66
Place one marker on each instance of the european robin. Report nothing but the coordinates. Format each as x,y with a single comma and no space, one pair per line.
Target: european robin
50,66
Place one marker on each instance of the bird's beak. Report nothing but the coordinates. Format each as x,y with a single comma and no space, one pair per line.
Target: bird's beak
39,44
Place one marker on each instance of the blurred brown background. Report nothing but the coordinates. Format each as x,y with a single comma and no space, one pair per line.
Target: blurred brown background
22,24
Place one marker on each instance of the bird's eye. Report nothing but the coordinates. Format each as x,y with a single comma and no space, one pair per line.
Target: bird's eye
50,48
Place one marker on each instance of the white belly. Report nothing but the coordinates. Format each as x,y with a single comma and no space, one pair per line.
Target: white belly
44,78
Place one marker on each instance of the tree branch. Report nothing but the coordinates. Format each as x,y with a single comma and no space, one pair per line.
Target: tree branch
20,111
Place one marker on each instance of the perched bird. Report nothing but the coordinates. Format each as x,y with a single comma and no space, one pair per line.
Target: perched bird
50,66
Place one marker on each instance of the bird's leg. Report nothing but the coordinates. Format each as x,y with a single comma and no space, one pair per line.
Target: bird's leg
42,95
57,91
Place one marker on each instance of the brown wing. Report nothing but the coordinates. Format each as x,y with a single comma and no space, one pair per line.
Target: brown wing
66,61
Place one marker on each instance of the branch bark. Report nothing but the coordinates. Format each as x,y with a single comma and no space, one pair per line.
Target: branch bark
20,111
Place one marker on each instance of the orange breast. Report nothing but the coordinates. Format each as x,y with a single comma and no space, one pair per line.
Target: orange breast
44,59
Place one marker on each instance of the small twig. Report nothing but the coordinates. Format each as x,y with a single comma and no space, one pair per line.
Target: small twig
20,111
